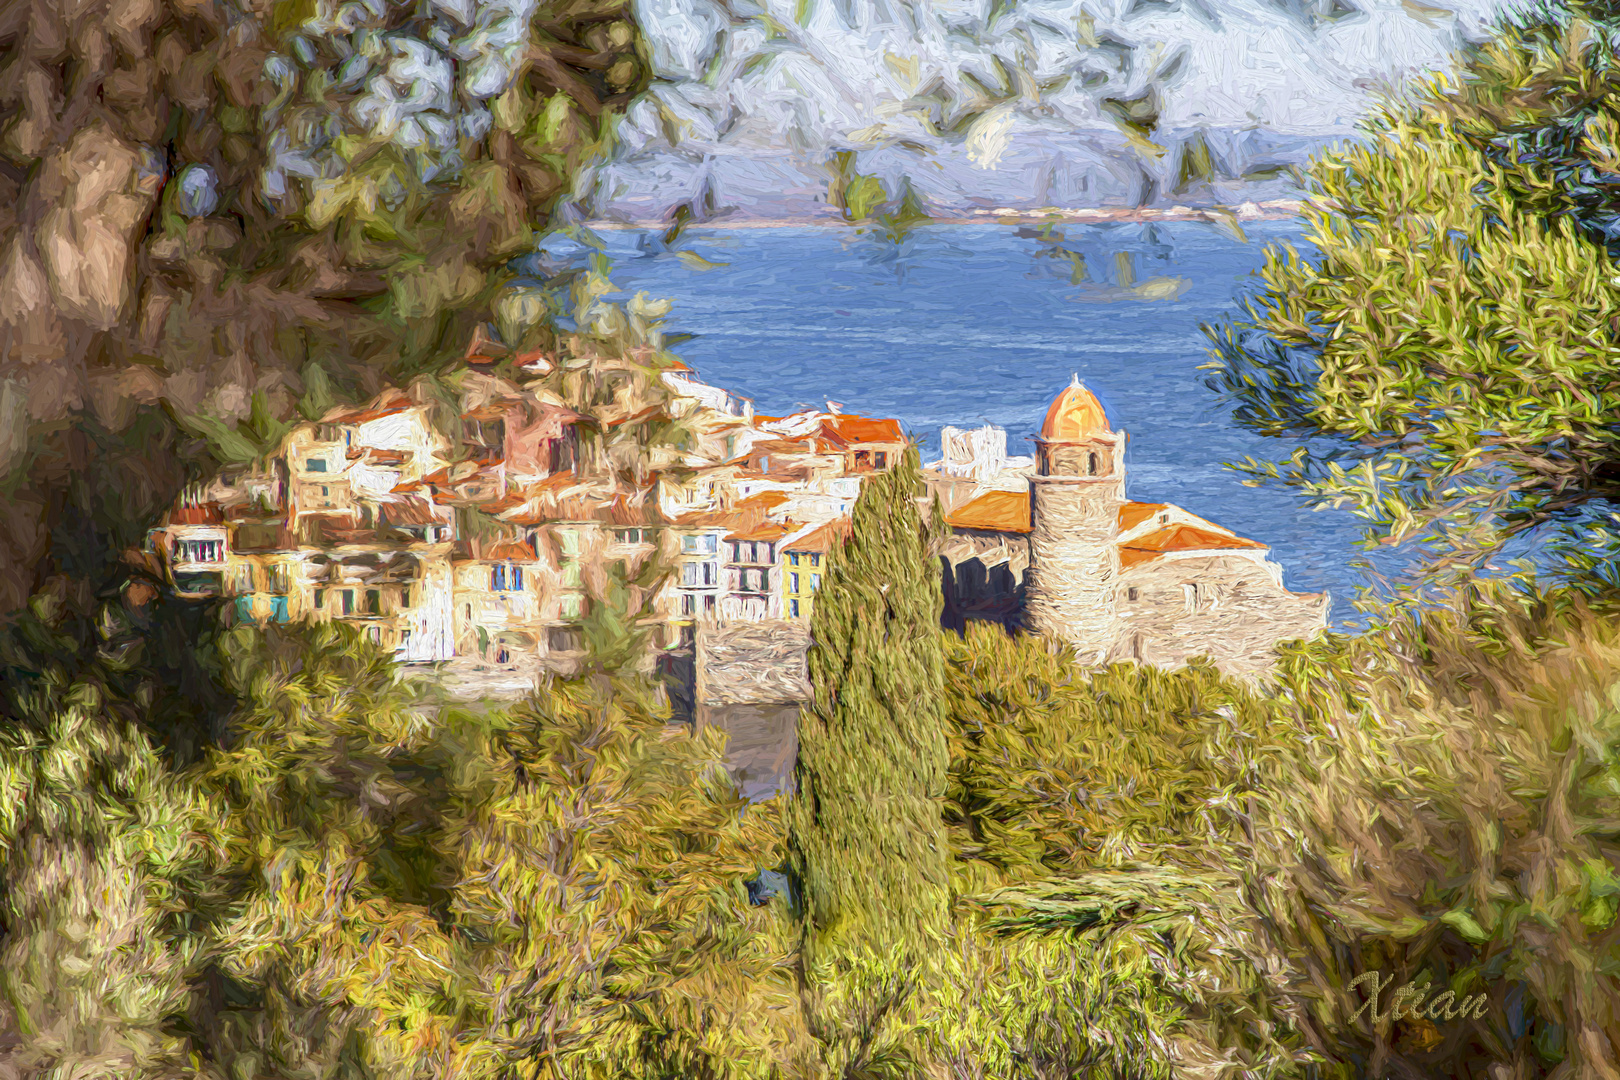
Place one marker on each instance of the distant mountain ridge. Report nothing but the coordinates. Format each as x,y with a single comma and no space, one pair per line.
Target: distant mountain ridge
990,104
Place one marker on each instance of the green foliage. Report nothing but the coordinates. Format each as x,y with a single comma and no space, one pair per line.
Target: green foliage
868,847
1458,825
1130,972
1447,358
433,892
1057,771
866,842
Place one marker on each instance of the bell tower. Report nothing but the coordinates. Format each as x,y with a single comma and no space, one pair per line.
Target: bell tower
1074,502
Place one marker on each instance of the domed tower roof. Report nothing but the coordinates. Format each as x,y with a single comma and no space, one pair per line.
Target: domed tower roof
1074,414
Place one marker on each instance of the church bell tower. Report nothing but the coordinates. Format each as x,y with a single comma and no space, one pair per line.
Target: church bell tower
1074,503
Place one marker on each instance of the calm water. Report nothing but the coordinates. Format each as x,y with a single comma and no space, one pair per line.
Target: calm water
970,324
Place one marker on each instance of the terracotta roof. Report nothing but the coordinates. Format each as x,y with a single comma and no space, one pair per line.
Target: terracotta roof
1181,537
510,501
386,404
765,500
766,531
379,457
494,410
676,365
860,429
994,511
826,538
650,412
508,551
407,487
1074,414
709,519
205,514
1133,514
410,512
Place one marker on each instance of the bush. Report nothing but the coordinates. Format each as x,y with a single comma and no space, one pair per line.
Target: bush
1459,825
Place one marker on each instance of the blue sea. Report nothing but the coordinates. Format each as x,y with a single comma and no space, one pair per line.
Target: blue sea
970,324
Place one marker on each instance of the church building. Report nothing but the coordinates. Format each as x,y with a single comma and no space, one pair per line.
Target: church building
1071,557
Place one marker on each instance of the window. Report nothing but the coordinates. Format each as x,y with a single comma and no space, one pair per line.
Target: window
374,634
373,602
695,574
793,560
731,447
736,552
315,465
1133,594
405,636
504,577
1164,519
502,656
770,552
280,578
688,604
572,606
568,542
325,490
793,583
793,608
629,536
815,582
240,579
320,599
708,605
1091,464
706,544
815,560
880,459
348,601
862,458
405,597
570,573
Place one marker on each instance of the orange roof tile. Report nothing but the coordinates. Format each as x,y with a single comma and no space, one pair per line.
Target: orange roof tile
709,519
1074,414
767,531
994,511
861,429
1133,514
508,551
826,538
765,500
494,410
1181,538
650,412
205,514
378,457
386,404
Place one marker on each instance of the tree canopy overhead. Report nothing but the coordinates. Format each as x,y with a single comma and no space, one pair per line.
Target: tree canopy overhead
201,201
1449,355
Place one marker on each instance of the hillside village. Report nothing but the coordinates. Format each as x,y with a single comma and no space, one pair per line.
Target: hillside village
477,530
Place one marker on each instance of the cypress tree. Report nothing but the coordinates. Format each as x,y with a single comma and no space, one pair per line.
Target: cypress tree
867,844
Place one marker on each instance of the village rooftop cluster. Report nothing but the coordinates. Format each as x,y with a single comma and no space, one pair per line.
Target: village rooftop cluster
484,538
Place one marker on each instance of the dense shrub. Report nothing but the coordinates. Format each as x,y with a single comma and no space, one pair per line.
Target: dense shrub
1460,826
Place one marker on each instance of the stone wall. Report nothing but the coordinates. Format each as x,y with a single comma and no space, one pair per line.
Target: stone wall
749,680
1236,616
1073,560
750,663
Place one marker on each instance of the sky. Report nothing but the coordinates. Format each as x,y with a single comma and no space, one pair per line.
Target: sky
989,103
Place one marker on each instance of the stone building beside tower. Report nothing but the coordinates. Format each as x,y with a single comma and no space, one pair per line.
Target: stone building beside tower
1057,548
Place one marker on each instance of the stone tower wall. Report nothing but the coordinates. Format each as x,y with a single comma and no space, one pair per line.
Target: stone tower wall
1074,562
